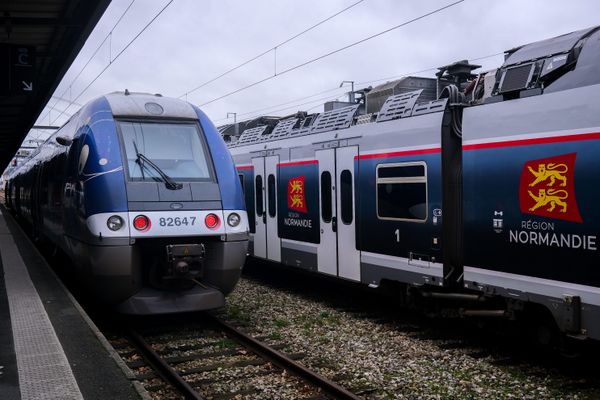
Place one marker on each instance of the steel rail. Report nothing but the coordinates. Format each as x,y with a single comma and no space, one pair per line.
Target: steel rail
284,362
165,371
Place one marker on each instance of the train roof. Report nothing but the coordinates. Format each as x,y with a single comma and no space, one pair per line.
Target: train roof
130,104
546,48
528,70
401,105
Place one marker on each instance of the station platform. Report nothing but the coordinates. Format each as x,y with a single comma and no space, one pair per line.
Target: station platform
49,349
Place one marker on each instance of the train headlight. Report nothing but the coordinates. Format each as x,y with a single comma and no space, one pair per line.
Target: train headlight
233,220
141,223
212,221
114,223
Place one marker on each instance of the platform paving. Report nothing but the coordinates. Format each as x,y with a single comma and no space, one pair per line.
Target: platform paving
47,349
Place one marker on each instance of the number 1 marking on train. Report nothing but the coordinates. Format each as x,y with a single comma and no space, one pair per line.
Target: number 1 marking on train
397,232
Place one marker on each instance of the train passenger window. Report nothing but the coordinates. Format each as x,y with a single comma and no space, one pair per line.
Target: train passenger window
259,196
346,196
271,194
402,191
326,213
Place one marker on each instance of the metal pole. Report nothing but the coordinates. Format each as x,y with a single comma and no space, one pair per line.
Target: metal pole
351,97
234,122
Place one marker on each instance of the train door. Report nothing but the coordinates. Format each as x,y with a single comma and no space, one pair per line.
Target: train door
260,234
337,253
273,240
327,249
348,256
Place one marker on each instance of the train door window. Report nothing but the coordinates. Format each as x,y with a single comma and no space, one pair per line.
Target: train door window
346,196
402,191
326,213
271,194
259,196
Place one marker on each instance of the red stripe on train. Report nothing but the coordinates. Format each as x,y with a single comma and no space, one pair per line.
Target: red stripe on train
399,153
293,163
527,142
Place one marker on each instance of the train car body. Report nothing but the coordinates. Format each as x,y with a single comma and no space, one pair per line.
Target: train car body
301,219
141,193
482,193
531,185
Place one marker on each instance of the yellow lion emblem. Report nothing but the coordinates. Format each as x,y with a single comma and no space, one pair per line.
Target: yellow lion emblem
296,187
549,171
553,197
297,201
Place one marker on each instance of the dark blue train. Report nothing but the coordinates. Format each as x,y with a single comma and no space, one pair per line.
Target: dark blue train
141,193
477,189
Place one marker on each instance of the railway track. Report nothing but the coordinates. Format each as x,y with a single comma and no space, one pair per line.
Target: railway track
175,365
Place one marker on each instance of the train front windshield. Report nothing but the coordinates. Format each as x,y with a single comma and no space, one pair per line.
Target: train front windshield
176,148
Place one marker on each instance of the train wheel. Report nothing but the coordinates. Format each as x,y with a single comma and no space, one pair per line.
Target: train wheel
542,328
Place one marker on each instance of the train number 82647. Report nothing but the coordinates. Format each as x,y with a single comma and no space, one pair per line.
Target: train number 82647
177,221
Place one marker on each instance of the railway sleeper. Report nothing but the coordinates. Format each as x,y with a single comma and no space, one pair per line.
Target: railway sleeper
234,395
235,364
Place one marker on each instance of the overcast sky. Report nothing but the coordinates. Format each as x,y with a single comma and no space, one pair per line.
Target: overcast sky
193,41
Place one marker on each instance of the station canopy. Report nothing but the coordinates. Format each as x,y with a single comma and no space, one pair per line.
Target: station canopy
39,39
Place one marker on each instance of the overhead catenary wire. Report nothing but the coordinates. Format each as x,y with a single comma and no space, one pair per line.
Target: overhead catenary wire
298,66
117,56
109,34
387,79
294,102
274,48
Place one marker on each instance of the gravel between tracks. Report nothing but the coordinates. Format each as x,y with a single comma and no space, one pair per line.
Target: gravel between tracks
386,360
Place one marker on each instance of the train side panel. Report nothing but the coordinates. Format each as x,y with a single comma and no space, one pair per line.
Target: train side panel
531,194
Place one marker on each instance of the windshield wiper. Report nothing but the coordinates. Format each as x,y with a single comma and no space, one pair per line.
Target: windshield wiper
142,160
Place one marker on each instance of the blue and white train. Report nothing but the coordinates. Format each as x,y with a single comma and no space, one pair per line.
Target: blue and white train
474,188
141,193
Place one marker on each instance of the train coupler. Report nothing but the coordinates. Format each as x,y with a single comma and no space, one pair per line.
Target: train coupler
184,261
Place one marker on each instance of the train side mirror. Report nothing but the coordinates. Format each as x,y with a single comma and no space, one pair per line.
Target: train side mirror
63,140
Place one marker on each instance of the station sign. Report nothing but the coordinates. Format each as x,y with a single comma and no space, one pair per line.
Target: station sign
17,69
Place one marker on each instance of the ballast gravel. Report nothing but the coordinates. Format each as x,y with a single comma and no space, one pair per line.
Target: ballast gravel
384,360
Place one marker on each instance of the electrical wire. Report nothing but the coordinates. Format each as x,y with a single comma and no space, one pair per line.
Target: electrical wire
294,102
61,97
389,78
274,48
333,52
117,56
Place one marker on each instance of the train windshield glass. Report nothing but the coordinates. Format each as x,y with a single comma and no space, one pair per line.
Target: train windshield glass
176,148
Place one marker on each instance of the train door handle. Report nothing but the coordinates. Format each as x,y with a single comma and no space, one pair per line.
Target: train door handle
334,224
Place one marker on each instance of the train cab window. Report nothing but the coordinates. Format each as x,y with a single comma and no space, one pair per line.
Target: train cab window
259,196
326,213
346,196
178,149
271,194
402,191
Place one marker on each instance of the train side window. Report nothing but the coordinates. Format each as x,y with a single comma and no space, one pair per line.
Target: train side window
271,194
241,176
259,196
326,213
346,196
402,191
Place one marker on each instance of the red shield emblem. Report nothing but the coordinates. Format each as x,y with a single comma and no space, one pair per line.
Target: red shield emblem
547,188
296,196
